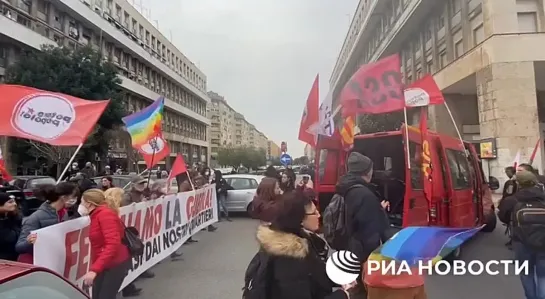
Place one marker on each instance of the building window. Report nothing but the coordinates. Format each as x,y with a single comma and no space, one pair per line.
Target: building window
459,48
443,59
527,21
456,6
478,34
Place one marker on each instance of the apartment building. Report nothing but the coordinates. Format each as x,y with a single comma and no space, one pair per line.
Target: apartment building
149,65
230,129
273,150
484,56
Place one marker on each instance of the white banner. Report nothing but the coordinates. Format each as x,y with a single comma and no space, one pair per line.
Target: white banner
164,225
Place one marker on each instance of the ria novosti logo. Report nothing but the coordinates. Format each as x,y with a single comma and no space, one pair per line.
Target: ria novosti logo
45,116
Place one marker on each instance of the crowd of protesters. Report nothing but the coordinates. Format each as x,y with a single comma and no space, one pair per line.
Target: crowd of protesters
296,253
78,196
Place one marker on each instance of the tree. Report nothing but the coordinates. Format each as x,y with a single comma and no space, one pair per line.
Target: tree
81,73
373,123
247,156
275,161
303,160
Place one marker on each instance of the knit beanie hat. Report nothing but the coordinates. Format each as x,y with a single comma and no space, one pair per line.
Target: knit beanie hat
359,164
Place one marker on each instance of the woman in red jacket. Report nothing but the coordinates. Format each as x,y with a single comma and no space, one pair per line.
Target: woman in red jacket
110,257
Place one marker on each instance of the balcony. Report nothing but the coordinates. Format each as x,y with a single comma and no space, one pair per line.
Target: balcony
93,20
34,40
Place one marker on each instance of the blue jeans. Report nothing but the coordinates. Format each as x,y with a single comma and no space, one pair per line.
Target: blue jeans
222,206
533,283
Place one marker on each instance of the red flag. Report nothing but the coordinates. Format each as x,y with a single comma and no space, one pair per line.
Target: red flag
155,150
3,170
423,92
178,167
426,154
311,116
48,117
375,88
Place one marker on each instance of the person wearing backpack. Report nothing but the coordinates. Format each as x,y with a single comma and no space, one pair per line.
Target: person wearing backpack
528,232
359,222
530,168
291,262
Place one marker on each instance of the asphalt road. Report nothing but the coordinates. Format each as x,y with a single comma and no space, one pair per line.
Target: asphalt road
214,267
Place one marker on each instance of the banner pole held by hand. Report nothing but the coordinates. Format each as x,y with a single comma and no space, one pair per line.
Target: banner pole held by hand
127,185
69,163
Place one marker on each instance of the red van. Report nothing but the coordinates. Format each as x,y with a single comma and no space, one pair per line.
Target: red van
21,281
461,194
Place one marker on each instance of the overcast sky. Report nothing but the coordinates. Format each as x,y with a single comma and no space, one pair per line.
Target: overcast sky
261,55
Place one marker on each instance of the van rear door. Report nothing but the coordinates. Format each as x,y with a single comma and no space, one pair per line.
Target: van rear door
415,205
329,167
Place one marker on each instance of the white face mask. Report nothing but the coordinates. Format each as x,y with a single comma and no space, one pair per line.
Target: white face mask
83,211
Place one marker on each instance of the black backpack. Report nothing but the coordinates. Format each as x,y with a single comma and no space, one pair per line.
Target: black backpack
529,224
257,277
335,226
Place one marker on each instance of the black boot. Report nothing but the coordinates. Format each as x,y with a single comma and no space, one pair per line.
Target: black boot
212,228
147,274
131,291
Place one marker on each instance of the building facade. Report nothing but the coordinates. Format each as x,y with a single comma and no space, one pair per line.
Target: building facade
273,150
230,129
149,65
483,55
310,152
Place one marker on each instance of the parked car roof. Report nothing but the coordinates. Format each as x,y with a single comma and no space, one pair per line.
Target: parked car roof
244,176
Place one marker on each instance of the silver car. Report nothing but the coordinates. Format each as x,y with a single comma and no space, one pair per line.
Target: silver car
244,188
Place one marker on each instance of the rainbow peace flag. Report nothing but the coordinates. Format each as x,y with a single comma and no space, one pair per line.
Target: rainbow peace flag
146,123
427,243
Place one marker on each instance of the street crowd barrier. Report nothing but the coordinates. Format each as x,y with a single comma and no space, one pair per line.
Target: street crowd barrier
164,225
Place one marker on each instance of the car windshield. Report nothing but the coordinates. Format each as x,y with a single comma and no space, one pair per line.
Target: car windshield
40,284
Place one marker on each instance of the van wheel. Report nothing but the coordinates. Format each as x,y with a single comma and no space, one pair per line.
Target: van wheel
249,210
491,222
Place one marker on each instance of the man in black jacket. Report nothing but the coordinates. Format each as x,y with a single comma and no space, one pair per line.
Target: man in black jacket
368,224
530,194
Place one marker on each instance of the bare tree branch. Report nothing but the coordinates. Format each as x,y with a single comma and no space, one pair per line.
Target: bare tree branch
57,154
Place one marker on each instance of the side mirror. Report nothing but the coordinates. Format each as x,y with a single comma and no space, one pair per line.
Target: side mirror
493,183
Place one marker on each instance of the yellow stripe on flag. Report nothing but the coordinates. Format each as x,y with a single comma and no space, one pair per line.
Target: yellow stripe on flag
347,131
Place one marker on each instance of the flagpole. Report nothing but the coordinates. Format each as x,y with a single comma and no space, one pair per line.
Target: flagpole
407,137
190,181
69,163
456,127
138,175
152,158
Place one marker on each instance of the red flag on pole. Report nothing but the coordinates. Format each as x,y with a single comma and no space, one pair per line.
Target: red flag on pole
426,154
178,167
374,89
154,151
311,116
